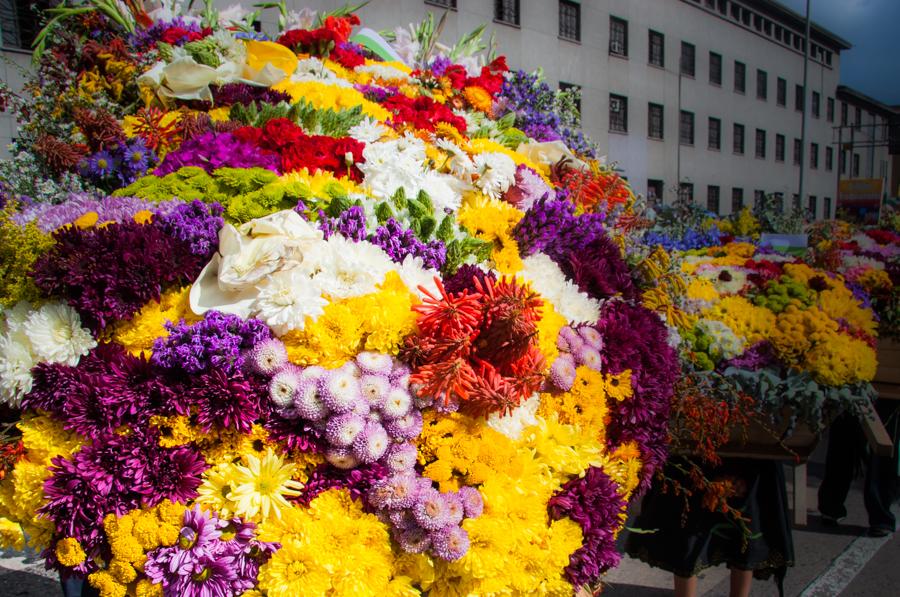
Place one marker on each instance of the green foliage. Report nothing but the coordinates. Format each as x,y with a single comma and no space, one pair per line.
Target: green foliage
20,247
314,121
460,250
778,294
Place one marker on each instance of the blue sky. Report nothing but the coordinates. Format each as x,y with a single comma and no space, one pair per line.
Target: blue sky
873,65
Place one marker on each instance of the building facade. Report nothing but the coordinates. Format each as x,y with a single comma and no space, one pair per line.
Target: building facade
702,97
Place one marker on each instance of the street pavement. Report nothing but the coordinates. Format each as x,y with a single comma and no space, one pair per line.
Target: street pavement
829,561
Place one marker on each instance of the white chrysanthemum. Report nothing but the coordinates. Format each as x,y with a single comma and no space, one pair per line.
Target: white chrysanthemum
368,131
16,362
459,162
445,191
724,343
13,319
551,283
385,72
414,274
513,424
313,69
286,299
496,172
56,334
349,269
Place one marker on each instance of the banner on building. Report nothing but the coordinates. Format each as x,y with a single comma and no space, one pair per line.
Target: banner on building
859,199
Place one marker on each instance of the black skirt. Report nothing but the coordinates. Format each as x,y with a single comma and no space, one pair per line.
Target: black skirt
686,543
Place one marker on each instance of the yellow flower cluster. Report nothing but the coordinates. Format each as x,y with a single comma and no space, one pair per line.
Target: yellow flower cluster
376,322
330,548
331,97
131,537
584,405
842,359
796,331
744,318
148,324
840,304
493,221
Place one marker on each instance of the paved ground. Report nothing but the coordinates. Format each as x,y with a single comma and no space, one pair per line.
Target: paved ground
830,561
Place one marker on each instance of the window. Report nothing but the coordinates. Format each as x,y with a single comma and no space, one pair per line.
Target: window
843,159
799,98
738,139
712,199
686,191
570,21
855,165
816,100
715,68
715,134
858,119
795,203
829,159
686,128
781,92
506,11
688,54
843,113
654,189
761,144
657,51
813,206
814,156
444,3
655,121
618,37
19,22
576,89
826,208
829,109
759,197
737,200
740,77
762,85
779,148
618,113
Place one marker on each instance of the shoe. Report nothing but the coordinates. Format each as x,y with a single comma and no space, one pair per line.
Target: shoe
880,532
829,521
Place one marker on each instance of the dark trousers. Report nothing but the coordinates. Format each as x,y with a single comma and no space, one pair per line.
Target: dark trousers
77,587
847,450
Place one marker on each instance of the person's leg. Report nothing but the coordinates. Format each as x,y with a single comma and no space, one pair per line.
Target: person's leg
880,487
741,580
685,586
840,461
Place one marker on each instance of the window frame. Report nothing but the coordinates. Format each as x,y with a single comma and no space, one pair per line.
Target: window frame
780,146
737,199
781,92
683,71
500,13
740,77
814,156
614,20
829,109
816,104
681,128
759,149
660,110
829,158
713,194
799,98
623,110
717,69
738,149
568,4
661,37
709,135
762,90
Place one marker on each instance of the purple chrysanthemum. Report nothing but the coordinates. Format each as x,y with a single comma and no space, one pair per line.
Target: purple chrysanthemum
224,400
371,444
409,426
563,372
431,510
401,458
211,151
450,543
396,492
473,503
342,430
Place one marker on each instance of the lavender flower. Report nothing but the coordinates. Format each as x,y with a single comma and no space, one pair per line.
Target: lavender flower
399,243
196,224
351,224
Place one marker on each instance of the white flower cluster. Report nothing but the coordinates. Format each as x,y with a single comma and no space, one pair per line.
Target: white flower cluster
51,334
724,343
551,283
281,270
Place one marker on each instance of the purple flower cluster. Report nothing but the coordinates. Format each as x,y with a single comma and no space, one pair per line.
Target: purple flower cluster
245,94
212,558
635,338
212,150
108,273
145,39
464,279
357,481
219,341
423,518
528,188
48,217
374,93
578,347
399,243
351,224
118,165
196,224
115,474
593,501
578,244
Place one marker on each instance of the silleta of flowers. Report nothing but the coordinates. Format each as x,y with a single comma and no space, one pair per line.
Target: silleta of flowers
300,316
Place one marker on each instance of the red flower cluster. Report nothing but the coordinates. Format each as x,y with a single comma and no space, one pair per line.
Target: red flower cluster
329,41
589,189
763,271
478,347
883,237
490,79
179,35
421,113
299,150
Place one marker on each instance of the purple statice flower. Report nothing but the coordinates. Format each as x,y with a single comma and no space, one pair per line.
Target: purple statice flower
245,94
528,188
108,273
472,502
212,150
351,224
49,217
146,39
399,243
219,341
594,502
635,338
450,543
196,224
396,492
439,65
225,400
300,210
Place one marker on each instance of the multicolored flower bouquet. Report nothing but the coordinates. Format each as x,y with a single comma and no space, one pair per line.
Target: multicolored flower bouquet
307,316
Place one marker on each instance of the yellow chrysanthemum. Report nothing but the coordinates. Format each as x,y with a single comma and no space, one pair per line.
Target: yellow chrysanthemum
215,490
69,552
11,535
618,386
173,430
331,97
259,488
493,221
748,321
138,334
479,99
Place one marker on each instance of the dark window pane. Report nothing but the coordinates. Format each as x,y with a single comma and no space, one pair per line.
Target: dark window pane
738,144
712,199
570,20
657,49
781,92
686,128
740,77
715,134
655,121
737,200
618,36
715,68
779,148
688,55
760,143
618,113
506,11
762,84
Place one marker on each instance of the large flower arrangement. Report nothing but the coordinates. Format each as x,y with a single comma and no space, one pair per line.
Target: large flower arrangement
343,325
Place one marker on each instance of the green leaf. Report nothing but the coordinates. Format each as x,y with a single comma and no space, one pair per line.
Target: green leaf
427,226
338,206
445,230
383,212
399,198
